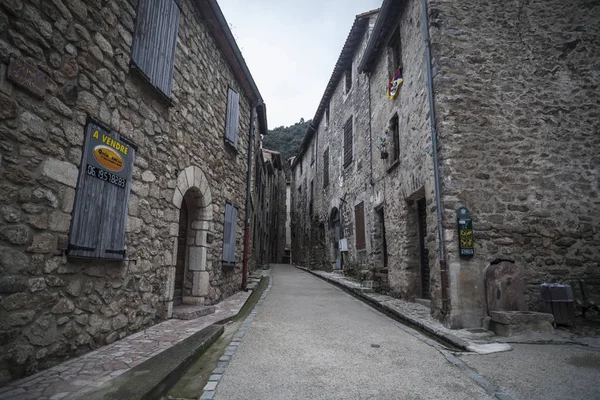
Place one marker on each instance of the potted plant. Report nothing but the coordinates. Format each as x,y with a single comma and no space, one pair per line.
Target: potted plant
384,145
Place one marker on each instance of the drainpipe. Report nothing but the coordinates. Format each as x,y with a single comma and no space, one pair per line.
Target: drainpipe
436,173
370,138
248,195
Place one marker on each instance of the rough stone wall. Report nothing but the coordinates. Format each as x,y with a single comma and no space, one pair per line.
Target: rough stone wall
397,185
517,102
350,183
53,307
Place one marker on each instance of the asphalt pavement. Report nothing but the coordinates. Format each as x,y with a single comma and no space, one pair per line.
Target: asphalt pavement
311,340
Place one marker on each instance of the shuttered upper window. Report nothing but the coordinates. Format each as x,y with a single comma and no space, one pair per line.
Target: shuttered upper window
359,217
233,117
229,231
154,42
348,142
326,168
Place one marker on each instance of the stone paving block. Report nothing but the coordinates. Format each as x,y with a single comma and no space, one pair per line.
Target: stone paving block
207,395
215,377
210,386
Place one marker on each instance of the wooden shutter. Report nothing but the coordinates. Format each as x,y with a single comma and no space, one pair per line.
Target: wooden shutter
326,168
100,209
155,41
229,232
348,142
359,217
233,117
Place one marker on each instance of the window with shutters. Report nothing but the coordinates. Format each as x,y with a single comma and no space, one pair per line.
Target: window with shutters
233,118
155,41
326,168
229,234
359,218
100,209
348,142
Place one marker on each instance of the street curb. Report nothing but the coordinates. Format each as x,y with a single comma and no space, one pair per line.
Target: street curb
153,377
237,340
444,337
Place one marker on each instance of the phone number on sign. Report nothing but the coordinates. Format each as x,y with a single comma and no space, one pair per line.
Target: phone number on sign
106,176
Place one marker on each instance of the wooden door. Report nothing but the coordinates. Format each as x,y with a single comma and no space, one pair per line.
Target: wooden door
181,253
423,252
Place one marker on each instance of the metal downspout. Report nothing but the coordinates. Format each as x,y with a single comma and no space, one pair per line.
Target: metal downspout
248,195
370,137
436,174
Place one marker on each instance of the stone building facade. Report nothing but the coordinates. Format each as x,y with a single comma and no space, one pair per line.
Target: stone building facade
270,208
191,145
517,138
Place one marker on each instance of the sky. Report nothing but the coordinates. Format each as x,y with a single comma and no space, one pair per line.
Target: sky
291,47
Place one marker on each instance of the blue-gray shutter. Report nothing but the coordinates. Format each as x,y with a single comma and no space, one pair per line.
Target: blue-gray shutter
100,210
233,117
155,41
229,234
232,241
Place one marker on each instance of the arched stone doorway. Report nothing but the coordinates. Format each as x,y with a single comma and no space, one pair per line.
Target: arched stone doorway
190,281
336,235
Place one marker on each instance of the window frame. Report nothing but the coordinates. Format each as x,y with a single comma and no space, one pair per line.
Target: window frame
394,46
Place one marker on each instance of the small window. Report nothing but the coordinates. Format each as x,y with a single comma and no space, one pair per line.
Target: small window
233,118
327,117
301,160
359,217
312,153
348,142
326,168
229,234
348,79
395,52
394,131
155,41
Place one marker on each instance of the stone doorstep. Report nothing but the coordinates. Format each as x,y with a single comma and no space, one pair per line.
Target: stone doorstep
188,311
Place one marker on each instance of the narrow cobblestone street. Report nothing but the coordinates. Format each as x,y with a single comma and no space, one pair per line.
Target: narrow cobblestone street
313,341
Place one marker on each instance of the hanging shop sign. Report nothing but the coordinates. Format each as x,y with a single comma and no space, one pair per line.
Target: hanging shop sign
465,233
27,76
100,211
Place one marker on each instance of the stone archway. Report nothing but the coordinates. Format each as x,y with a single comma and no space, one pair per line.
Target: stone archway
193,192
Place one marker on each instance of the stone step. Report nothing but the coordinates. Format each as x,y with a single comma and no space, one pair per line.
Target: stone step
191,311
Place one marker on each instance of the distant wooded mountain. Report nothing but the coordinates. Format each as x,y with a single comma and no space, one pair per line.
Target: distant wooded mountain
286,140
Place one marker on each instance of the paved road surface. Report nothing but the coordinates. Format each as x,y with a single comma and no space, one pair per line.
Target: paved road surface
310,340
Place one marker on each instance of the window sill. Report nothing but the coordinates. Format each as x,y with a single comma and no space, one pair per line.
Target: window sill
393,166
134,67
228,264
229,144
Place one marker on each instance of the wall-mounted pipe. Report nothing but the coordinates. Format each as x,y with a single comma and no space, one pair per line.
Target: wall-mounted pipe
436,174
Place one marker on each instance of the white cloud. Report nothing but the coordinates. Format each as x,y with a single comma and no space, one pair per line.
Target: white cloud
291,47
